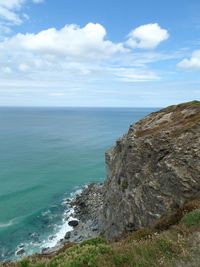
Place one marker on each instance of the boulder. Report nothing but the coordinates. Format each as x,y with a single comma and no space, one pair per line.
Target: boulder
73,223
20,252
68,235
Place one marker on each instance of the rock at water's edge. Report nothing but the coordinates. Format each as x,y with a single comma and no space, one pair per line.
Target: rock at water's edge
67,235
73,223
20,252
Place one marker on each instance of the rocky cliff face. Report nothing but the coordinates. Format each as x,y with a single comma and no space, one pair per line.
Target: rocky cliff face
152,169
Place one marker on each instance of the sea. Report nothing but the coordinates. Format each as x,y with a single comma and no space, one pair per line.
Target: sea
46,156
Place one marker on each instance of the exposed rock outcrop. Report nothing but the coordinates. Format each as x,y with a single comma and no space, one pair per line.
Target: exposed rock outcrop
87,207
152,169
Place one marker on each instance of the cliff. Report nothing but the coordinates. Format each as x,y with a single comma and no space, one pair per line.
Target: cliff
152,169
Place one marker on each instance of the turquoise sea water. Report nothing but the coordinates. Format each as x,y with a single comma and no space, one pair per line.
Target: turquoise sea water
45,155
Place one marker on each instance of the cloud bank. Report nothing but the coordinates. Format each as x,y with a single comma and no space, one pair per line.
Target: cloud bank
75,51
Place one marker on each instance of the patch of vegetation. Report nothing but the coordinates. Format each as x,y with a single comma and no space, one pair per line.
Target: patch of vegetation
157,250
124,185
24,263
192,218
84,254
141,234
120,260
190,103
94,241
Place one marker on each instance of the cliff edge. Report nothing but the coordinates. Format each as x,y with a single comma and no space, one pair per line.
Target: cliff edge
152,169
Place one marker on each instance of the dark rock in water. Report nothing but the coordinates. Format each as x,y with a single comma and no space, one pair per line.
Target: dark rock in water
66,201
52,237
20,252
45,222
33,234
152,169
68,235
73,223
44,249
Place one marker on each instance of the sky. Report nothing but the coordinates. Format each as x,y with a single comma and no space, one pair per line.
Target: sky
99,53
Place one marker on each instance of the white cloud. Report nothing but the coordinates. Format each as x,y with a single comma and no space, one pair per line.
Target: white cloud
147,36
191,63
72,41
66,54
11,4
72,55
135,75
10,11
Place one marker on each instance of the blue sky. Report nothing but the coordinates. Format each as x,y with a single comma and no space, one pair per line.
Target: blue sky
99,53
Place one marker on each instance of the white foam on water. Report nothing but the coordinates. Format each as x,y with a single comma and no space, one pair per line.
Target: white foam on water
10,223
4,225
62,230
64,227
59,230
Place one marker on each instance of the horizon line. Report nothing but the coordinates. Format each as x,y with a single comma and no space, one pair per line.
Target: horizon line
78,107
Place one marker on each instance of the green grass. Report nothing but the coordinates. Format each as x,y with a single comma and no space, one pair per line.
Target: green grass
192,218
84,254
142,248
191,103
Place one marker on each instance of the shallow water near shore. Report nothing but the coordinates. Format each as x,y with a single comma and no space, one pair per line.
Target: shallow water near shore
46,155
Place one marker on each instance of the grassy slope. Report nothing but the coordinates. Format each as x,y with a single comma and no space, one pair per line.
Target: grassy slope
173,241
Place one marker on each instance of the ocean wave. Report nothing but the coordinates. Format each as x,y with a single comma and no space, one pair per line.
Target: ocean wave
59,230
20,192
60,233
64,227
9,223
